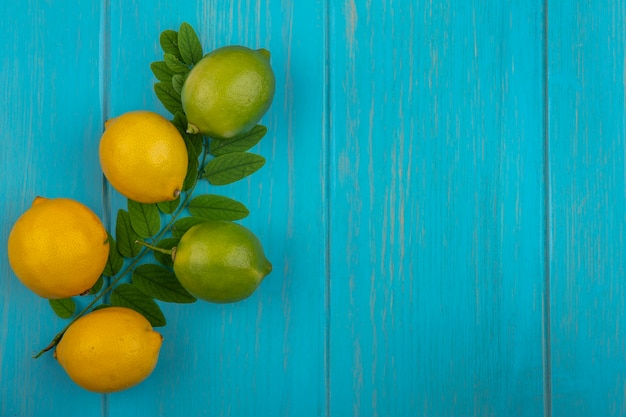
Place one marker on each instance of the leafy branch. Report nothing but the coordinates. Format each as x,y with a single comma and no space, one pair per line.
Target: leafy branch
217,161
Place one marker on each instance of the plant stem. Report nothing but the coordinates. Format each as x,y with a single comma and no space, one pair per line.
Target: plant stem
57,338
154,248
137,258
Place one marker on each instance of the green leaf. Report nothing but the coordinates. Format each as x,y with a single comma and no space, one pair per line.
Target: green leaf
192,174
192,167
191,147
160,283
177,82
101,306
197,142
126,236
231,167
144,218
189,44
64,307
128,295
161,71
97,286
169,42
168,97
175,65
217,207
240,143
167,243
180,121
169,207
182,225
115,261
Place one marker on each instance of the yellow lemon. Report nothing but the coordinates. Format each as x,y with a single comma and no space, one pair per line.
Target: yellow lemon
144,157
220,261
109,350
58,248
228,91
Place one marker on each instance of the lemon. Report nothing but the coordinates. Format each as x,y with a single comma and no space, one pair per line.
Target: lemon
220,261
58,248
109,350
144,157
228,91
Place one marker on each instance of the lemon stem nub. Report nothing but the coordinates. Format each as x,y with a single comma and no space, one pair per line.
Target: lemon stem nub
155,248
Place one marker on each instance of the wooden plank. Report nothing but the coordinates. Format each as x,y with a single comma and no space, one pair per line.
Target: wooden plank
588,202
50,119
265,355
436,250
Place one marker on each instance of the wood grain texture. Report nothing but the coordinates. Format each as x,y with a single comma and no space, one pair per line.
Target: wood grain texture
588,200
436,227
50,124
404,206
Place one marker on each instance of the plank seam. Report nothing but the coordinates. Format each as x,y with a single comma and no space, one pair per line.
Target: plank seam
105,91
328,194
547,358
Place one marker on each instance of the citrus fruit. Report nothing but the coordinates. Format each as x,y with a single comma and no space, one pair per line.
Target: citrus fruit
144,157
220,261
228,91
58,248
109,349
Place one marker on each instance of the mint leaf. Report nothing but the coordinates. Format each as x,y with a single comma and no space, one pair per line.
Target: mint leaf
217,207
182,225
196,141
231,167
189,44
115,261
144,218
97,286
169,42
192,162
169,207
168,97
192,151
177,82
240,143
126,236
192,174
161,71
180,121
175,65
127,295
167,243
160,283
64,307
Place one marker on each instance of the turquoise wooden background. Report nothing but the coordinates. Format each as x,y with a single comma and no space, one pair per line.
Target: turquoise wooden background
444,205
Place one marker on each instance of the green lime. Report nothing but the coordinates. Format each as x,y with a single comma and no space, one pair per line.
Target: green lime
228,91
220,261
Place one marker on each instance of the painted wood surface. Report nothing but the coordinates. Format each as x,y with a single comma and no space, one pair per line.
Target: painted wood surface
443,202
436,245
51,120
588,208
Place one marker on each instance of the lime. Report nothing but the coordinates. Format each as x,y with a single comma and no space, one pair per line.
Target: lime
220,261
228,91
